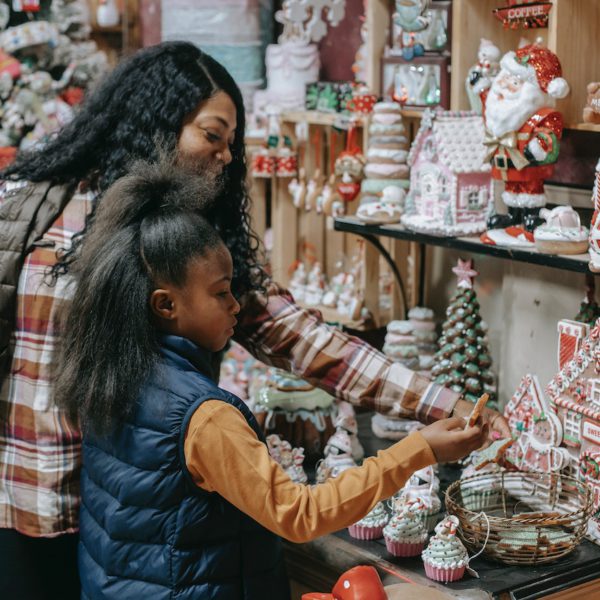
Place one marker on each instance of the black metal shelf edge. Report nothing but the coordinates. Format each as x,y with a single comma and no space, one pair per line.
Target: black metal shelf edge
578,264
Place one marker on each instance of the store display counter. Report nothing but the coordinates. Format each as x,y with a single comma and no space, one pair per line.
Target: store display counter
318,564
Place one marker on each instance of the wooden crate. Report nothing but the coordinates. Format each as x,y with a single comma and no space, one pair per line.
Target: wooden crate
298,233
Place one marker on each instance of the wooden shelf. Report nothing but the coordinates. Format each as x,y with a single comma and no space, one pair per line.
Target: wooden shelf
413,113
315,117
585,127
578,263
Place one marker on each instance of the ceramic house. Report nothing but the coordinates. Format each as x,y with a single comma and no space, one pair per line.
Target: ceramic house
559,429
539,428
450,181
575,393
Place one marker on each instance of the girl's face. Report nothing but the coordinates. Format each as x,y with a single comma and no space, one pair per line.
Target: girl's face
204,144
203,309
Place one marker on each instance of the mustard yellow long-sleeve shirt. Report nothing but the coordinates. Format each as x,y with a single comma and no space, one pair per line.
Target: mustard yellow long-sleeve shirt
224,455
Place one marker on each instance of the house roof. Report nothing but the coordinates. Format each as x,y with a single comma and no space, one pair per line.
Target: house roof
588,354
585,410
459,139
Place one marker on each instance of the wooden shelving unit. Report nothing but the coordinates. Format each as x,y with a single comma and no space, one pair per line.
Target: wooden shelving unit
572,33
296,231
315,117
585,127
122,39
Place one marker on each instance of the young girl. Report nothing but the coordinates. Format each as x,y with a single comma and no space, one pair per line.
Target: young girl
179,494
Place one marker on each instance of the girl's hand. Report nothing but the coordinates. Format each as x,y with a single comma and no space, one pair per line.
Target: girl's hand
498,426
450,441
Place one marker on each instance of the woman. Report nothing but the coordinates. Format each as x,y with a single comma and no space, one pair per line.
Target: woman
176,94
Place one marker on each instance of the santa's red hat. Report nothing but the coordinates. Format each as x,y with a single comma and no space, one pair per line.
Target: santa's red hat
539,65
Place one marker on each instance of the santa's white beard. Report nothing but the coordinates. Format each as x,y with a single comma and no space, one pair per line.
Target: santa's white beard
509,113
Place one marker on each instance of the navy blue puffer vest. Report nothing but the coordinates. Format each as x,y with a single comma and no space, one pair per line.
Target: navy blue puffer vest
146,530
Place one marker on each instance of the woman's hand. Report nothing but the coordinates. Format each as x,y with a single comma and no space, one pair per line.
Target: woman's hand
450,441
497,424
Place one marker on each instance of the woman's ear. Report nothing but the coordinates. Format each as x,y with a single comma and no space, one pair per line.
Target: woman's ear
163,305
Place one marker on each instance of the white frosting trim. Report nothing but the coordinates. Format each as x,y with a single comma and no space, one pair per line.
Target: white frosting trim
387,119
386,107
385,169
445,554
386,129
398,156
379,212
423,224
399,338
402,327
561,234
421,313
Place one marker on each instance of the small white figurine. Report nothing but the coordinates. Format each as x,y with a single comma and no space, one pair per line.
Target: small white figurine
480,75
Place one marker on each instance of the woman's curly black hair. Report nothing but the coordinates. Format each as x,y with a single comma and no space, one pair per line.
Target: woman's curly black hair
147,98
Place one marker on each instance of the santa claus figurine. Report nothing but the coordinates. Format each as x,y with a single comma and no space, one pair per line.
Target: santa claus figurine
523,131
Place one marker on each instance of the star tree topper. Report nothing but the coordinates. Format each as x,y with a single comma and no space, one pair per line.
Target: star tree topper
305,20
465,272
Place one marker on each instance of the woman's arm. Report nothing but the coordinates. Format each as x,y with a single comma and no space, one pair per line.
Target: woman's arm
278,332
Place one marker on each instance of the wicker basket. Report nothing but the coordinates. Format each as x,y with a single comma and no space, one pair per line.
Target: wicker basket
526,518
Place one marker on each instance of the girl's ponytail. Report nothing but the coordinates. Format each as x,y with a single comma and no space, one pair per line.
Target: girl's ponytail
145,231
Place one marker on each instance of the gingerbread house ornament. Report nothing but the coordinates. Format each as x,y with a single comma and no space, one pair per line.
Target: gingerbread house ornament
594,238
575,393
563,423
539,430
450,181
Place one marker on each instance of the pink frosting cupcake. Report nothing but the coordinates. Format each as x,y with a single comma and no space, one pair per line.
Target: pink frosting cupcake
445,557
371,526
405,534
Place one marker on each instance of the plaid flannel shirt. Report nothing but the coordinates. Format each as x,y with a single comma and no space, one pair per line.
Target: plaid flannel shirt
40,450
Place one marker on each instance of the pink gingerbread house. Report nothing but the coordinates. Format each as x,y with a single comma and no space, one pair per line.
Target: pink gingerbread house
450,181
575,394
559,430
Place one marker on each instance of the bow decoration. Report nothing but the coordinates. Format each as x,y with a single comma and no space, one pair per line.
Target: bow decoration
505,144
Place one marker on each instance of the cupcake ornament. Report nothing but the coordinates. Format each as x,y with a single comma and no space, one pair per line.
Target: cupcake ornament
445,557
371,526
423,487
405,534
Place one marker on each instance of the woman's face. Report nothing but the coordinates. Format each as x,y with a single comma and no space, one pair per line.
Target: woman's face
204,144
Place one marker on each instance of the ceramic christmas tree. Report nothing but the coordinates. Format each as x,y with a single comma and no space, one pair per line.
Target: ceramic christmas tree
463,361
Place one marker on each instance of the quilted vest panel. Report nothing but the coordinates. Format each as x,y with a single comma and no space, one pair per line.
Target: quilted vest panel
146,529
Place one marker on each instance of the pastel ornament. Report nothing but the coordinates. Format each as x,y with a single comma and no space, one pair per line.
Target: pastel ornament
297,188
562,233
445,557
107,13
313,190
326,196
349,166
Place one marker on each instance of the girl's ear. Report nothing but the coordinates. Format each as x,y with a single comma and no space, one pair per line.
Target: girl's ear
162,304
